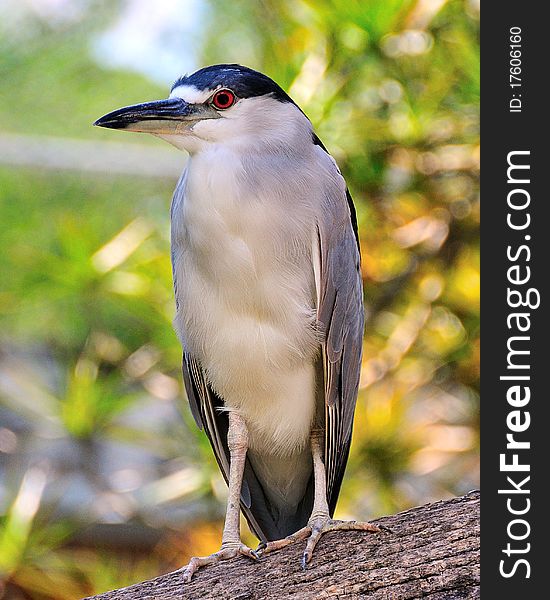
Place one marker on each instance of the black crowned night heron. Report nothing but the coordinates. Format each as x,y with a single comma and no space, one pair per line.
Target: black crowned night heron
269,305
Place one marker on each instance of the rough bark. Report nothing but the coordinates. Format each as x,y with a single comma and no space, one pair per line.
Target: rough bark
432,553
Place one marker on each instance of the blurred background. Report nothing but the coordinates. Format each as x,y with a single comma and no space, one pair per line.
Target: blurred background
104,479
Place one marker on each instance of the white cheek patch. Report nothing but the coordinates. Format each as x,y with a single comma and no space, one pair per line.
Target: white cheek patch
190,94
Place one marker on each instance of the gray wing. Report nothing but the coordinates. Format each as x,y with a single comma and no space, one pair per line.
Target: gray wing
340,312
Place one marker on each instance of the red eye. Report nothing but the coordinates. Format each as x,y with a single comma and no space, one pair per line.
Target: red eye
223,99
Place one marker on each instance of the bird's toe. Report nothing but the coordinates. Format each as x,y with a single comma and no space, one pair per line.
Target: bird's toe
246,551
223,554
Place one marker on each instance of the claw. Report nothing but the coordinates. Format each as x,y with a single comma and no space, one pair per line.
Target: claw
306,557
189,571
259,552
384,528
246,551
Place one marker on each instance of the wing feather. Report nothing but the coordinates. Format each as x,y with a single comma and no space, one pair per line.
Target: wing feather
341,315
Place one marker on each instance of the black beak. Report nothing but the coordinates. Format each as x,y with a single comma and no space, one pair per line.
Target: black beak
160,116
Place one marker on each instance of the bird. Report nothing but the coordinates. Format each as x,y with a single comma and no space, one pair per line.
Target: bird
269,301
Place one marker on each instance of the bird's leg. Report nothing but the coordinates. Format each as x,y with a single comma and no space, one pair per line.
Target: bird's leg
319,520
237,441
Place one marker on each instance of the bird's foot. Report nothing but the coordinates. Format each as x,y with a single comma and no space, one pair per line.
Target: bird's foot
226,552
322,524
316,527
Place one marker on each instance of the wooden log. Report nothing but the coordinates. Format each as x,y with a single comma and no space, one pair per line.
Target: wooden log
431,553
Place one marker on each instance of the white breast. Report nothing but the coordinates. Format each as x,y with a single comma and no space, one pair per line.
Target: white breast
242,254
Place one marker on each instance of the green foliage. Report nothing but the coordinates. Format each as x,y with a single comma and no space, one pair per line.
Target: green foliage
89,364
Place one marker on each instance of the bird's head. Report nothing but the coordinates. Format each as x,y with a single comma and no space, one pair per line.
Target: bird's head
220,104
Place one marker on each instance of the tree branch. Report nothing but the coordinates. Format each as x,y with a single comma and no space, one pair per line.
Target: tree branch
432,553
